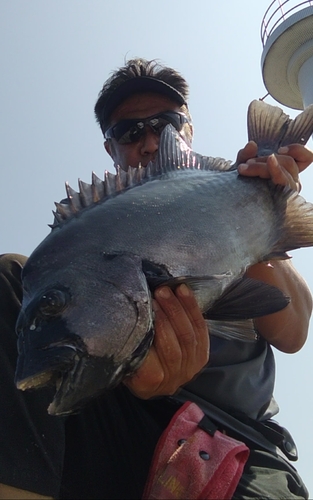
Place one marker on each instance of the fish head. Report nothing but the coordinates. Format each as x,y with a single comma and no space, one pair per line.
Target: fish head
82,328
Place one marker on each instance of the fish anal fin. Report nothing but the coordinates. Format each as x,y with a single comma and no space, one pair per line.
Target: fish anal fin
243,330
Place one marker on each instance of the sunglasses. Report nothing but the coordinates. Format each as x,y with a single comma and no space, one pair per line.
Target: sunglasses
130,131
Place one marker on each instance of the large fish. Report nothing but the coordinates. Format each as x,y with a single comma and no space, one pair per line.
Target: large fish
86,320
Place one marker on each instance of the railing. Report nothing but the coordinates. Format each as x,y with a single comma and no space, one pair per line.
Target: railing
277,12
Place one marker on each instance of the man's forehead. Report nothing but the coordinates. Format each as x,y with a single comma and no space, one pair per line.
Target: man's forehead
142,105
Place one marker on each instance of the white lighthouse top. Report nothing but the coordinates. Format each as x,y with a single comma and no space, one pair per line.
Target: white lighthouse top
287,37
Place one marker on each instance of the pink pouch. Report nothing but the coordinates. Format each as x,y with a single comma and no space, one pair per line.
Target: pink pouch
189,463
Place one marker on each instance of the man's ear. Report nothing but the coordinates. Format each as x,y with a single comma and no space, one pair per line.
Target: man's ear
108,148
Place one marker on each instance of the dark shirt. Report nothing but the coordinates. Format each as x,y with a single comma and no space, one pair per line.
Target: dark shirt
239,378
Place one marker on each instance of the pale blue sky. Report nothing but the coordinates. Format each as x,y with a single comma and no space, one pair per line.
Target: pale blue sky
54,58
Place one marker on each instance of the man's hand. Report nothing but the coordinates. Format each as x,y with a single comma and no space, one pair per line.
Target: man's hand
180,348
282,168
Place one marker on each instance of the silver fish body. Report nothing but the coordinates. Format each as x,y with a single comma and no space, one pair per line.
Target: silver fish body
86,320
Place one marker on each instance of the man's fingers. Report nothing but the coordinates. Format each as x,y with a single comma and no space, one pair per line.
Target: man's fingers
302,155
191,331
282,176
197,321
249,151
166,343
281,169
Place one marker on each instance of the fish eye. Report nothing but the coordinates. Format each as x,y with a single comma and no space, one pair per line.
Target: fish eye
52,303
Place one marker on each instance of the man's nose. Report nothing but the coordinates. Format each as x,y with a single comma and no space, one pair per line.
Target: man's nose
149,142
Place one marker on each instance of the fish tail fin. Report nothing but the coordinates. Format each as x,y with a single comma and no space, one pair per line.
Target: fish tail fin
300,129
271,128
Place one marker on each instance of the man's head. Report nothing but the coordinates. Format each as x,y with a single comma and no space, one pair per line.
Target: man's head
134,106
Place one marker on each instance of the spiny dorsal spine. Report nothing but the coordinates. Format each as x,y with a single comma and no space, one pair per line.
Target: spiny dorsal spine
173,154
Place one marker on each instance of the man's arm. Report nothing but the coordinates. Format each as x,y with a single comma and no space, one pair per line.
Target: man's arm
287,329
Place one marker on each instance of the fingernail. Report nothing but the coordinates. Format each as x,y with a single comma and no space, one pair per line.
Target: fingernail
163,293
242,167
184,290
283,149
252,160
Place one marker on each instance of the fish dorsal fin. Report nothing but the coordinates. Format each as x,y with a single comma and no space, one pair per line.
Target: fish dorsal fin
173,154
271,128
99,190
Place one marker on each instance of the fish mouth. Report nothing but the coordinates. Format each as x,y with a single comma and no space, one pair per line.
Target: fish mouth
65,364
55,378
89,377
77,377
42,365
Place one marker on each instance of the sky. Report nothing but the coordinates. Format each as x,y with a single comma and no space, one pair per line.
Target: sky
55,56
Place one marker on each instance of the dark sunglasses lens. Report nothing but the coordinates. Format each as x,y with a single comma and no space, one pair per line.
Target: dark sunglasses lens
174,119
122,131
129,131
159,123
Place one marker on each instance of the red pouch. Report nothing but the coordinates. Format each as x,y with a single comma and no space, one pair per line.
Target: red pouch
189,463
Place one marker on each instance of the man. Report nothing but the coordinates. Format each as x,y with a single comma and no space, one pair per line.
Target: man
107,449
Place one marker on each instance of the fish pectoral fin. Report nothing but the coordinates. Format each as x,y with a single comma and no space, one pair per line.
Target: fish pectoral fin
156,274
276,256
243,330
247,299
204,288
